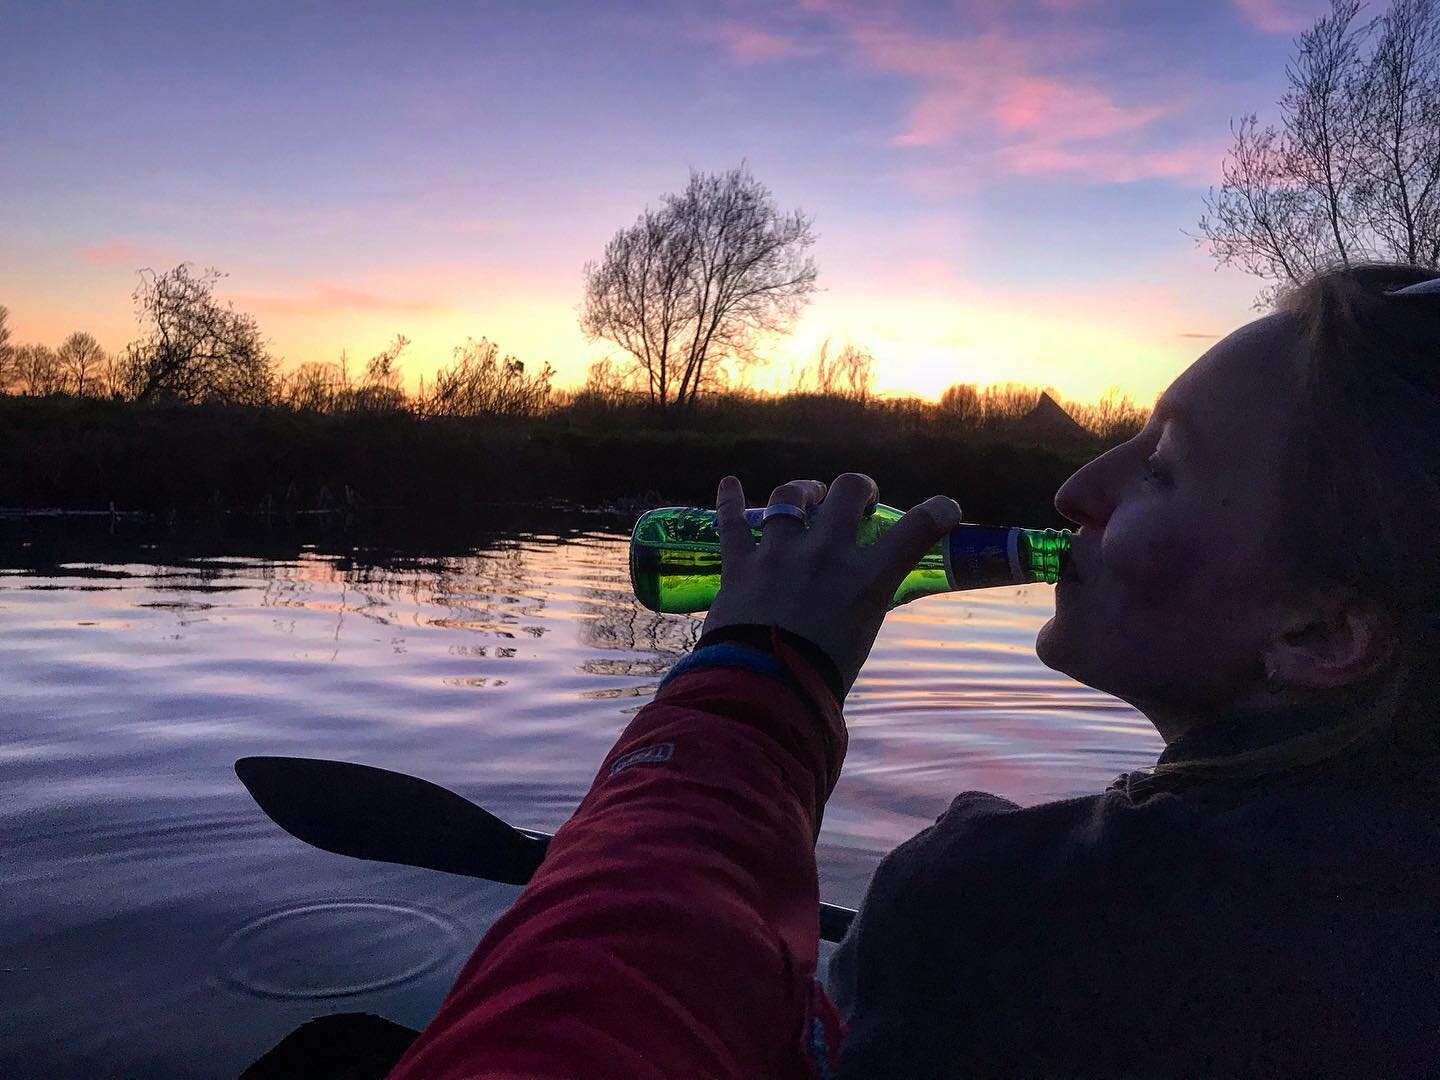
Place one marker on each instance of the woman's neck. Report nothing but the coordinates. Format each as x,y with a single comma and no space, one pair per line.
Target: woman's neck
1174,723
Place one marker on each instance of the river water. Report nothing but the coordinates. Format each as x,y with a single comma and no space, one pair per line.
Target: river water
157,924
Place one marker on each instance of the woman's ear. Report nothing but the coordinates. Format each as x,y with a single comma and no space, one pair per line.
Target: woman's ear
1343,638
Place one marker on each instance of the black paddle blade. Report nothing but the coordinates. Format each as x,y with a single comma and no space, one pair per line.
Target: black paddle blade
372,813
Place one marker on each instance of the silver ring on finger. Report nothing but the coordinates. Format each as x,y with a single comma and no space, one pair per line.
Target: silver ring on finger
775,510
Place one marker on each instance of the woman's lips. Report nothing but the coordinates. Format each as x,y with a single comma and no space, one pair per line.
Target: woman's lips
1072,567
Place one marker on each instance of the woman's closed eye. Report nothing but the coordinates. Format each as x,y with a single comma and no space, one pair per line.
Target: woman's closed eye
1156,472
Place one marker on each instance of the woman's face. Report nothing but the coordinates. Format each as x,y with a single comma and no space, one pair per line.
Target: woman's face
1177,589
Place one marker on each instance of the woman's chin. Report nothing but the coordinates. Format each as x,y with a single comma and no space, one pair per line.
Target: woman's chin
1063,648
1047,643
1057,648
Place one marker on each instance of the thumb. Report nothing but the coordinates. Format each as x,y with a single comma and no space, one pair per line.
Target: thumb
918,531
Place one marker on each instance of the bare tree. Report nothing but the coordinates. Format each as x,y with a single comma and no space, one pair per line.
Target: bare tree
38,370
481,383
193,348
606,384
849,374
822,371
8,374
112,379
1113,419
857,369
960,405
80,358
312,388
380,392
1353,173
1399,134
380,370
700,281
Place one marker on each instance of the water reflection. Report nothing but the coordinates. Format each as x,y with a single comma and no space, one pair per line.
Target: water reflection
502,665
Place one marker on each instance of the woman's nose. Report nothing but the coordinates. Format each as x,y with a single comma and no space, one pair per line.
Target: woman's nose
1083,499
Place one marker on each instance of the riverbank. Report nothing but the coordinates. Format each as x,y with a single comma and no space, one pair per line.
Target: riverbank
198,462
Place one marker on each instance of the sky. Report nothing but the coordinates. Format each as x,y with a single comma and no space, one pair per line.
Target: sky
1001,188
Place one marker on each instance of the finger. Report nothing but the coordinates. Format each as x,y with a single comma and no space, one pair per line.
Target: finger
905,543
850,497
797,490
805,494
735,537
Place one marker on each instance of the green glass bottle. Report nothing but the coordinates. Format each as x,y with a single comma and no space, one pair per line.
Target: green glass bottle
675,557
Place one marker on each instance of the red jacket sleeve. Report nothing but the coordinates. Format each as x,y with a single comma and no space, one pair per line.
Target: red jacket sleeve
672,930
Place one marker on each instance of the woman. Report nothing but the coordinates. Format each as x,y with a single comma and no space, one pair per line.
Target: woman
1253,574
1253,571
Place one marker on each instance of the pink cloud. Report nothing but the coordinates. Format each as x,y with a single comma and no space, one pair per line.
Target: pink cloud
752,45
1278,16
1018,101
988,81
1195,164
1198,162
113,253
322,297
1067,111
958,78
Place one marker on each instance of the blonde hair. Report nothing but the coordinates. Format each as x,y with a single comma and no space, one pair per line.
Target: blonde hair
1366,507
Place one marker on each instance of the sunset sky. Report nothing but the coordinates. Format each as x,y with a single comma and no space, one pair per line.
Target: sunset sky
999,188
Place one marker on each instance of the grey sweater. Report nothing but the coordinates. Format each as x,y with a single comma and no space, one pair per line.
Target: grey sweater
1156,929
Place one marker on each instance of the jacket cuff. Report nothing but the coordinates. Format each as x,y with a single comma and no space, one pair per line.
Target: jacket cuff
759,636
730,655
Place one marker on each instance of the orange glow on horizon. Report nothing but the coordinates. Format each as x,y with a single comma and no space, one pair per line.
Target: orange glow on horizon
1081,343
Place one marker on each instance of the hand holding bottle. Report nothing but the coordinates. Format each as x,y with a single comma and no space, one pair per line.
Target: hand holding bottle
816,580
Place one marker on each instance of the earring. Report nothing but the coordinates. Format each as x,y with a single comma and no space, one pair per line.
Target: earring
1272,680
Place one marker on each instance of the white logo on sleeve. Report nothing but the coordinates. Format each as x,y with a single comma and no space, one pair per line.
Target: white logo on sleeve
654,754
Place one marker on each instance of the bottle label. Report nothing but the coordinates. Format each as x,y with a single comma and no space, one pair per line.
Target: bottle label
980,556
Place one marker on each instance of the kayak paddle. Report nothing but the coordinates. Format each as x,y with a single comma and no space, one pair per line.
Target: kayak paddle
371,813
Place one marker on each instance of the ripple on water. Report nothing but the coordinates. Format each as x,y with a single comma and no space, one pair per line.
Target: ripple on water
336,948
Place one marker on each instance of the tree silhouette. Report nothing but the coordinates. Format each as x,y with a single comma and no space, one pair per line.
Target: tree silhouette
113,380
193,348
481,383
848,374
8,374
960,405
700,281
381,391
81,361
313,387
1353,173
1113,419
606,385
37,370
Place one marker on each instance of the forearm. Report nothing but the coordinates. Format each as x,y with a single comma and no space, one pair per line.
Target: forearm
672,927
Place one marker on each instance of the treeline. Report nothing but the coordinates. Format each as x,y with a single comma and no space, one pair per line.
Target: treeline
964,412
196,419
226,462
194,350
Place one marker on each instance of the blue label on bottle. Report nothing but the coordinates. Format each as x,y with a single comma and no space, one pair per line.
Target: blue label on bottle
978,556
